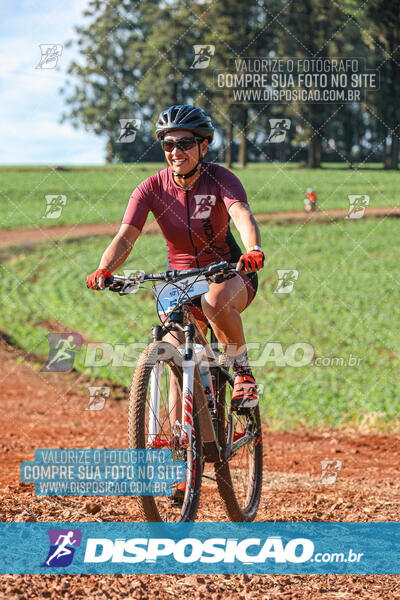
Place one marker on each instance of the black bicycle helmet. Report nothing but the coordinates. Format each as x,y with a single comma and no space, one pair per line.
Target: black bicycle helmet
184,116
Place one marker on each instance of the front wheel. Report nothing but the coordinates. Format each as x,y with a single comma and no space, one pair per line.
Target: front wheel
152,424
239,477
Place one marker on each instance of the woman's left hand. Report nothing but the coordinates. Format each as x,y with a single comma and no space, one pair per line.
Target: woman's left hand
250,262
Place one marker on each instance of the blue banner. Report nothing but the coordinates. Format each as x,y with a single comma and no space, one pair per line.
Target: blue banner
252,548
89,472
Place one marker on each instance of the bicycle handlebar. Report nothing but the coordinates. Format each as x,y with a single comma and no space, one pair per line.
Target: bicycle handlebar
174,275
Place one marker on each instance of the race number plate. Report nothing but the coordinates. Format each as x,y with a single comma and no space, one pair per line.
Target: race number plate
169,295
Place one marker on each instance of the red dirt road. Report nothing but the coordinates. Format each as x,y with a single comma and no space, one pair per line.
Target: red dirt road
29,236
48,410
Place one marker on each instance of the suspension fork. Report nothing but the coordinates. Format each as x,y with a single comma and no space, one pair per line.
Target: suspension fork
188,365
154,408
155,382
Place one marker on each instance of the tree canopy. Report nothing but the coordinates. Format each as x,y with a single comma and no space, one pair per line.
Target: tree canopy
137,58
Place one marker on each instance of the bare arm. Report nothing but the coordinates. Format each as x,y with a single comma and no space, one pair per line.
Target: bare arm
119,249
245,224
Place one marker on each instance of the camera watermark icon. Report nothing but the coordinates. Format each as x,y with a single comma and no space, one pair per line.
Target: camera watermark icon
129,129
98,395
136,278
49,55
279,129
204,204
357,205
329,471
54,206
203,53
286,280
63,347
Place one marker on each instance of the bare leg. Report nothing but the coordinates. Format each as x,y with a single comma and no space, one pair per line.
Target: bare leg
222,305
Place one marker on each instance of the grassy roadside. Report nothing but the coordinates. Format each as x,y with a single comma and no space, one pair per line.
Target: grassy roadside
343,305
97,195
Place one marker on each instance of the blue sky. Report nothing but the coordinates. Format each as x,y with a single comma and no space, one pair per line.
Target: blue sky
30,102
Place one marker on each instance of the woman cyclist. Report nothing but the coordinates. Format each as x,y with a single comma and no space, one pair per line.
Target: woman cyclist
193,202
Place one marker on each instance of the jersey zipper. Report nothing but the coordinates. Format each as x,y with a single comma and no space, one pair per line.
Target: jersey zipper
190,229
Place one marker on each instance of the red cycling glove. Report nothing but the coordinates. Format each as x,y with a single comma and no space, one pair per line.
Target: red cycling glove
251,262
92,280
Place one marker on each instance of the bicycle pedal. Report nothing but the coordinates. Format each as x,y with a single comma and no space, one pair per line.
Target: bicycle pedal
243,411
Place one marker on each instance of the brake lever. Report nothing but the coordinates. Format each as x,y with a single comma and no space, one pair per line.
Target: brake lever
220,277
112,285
116,287
223,274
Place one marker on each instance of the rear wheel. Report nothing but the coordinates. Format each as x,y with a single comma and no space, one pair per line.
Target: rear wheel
153,428
239,478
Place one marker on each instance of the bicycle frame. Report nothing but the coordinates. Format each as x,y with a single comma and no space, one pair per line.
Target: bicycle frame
192,386
177,314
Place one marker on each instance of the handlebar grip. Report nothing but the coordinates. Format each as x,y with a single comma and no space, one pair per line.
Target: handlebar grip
109,281
221,266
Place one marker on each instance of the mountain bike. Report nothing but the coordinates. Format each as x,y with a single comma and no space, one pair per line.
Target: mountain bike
180,400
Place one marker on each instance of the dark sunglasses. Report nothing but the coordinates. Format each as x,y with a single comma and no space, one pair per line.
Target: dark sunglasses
183,144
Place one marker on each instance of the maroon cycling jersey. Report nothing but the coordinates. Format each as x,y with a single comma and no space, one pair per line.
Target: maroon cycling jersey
195,222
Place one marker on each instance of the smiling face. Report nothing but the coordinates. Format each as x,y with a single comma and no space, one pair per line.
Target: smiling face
183,161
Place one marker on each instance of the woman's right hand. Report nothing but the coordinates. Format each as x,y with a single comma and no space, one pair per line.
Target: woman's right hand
96,279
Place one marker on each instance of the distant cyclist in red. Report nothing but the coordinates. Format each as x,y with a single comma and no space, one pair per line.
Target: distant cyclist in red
193,202
310,202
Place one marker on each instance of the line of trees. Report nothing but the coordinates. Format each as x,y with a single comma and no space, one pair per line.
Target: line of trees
135,59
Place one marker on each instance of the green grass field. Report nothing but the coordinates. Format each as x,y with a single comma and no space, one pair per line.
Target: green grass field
101,194
343,304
